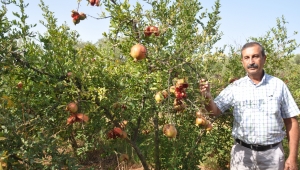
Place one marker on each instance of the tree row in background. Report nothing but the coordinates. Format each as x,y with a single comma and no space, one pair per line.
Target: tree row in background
132,97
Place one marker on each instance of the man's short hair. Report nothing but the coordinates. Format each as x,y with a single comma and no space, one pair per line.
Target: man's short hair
251,44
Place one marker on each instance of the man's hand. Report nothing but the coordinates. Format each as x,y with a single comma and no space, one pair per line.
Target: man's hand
290,164
205,89
210,105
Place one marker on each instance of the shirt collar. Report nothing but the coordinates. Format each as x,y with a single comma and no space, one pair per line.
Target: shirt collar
262,80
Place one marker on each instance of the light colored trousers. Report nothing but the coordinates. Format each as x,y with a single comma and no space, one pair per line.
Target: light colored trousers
243,158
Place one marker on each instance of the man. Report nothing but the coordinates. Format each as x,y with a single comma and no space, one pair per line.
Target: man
262,106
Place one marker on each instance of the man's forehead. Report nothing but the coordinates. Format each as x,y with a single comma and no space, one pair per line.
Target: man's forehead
252,51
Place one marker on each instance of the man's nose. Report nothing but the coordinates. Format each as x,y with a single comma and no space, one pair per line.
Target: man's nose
251,61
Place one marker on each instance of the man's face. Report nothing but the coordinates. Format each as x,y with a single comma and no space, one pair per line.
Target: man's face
253,61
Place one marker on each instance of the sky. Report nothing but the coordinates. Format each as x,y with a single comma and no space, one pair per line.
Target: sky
241,19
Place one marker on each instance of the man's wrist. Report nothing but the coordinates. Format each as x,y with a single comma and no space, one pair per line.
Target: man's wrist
208,96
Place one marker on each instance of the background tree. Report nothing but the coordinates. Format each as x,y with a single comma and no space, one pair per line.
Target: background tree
42,73
297,59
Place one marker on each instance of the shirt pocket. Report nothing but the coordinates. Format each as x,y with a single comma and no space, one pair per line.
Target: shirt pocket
272,106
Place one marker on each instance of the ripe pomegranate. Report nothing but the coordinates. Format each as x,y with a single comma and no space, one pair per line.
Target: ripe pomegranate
155,30
170,131
182,83
76,17
118,131
97,2
82,16
159,97
111,135
72,107
150,30
179,105
147,31
165,93
172,89
20,85
76,21
209,126
201,121
74,13
92,2
80,117
138,52
180,94
71,119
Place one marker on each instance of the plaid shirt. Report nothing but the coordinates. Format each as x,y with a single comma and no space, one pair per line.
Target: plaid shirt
258,109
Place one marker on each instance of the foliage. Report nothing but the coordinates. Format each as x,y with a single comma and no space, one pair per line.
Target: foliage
55,69
297,59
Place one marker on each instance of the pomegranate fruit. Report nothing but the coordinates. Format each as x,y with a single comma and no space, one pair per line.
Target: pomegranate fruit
180,94
138,52
111,135
179,108
149,30
182,83
170,131
159,97
20,85
179,105
92,2
82,16
76,17
118,131
80,117
71,119
172,89
165,93
201,121
97,2
209,127
72,107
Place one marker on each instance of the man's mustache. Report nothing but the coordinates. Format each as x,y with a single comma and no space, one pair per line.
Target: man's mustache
252,65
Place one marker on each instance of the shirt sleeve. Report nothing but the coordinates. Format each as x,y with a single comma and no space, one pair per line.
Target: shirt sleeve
225,99
289,107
